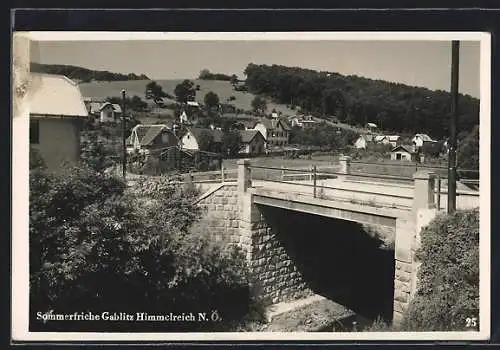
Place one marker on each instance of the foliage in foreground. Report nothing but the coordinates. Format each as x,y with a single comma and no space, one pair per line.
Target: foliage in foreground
97,246
448,280
447,297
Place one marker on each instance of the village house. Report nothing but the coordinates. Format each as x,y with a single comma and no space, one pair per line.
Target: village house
57,113
393,140
276,132
252,142
304,123
372,127
404,152
419,140
363,141
110,112
151,137
193,139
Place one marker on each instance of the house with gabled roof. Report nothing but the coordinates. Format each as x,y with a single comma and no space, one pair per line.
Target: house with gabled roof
404,152
110,112
420,139
276,132
252,142
57,113
193,139
151,137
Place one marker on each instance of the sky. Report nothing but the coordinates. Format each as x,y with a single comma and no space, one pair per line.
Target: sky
416,63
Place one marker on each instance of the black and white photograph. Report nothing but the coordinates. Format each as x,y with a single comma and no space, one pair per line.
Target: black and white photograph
251,186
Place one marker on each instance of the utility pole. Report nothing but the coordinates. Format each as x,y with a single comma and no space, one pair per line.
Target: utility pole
452,151
124,164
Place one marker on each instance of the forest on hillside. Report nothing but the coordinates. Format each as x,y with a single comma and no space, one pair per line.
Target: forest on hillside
83,75
356,100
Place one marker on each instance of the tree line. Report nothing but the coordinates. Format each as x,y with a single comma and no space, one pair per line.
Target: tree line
357,100
83,75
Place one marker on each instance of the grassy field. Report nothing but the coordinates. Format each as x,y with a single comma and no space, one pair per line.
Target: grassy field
137,87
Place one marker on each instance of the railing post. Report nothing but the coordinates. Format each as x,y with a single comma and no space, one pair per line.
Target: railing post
438,199
282,172
222,173
423,197
345,165
314,180
244,175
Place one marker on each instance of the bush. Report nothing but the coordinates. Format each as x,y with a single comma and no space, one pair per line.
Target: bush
96,245
448,280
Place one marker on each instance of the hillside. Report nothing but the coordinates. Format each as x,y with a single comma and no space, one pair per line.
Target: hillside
357,100
137,87
81,74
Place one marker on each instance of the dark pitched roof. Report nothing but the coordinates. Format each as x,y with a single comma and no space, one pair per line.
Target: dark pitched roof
407,148
216,134
271,124
147,133
248,135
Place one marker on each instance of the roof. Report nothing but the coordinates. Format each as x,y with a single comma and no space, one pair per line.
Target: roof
55,95
248,135
271,124
216,134
393,137
379,138
407,148
116,107
147,133
371,125
193,103
424,137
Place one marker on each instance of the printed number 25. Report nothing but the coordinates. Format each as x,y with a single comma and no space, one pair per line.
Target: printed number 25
471,322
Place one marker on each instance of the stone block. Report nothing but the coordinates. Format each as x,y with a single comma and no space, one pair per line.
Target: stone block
400,306
401,296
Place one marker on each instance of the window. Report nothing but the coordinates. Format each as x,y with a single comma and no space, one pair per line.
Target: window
34,132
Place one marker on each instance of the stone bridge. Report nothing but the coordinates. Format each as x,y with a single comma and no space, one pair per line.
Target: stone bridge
257,216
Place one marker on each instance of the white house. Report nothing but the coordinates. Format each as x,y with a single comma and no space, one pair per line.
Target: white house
363,141
193,104
191,139
56,115
183,118
110,112
420,139
392,140
371,126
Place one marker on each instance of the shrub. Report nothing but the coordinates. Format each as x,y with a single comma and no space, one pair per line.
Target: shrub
96,245
448,280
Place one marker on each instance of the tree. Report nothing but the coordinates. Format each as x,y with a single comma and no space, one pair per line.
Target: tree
211,99
205,74
231,143
185,91
259,105
205,141
155,92
234,79
96,244
468,151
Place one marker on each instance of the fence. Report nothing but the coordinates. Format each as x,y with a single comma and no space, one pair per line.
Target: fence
400,186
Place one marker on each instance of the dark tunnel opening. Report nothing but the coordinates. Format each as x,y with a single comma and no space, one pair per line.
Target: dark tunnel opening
338,259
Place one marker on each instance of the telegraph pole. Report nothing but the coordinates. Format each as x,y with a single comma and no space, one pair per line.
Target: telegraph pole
452,150
124,164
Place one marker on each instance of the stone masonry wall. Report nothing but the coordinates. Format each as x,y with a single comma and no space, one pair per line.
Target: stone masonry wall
221,214
279,278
